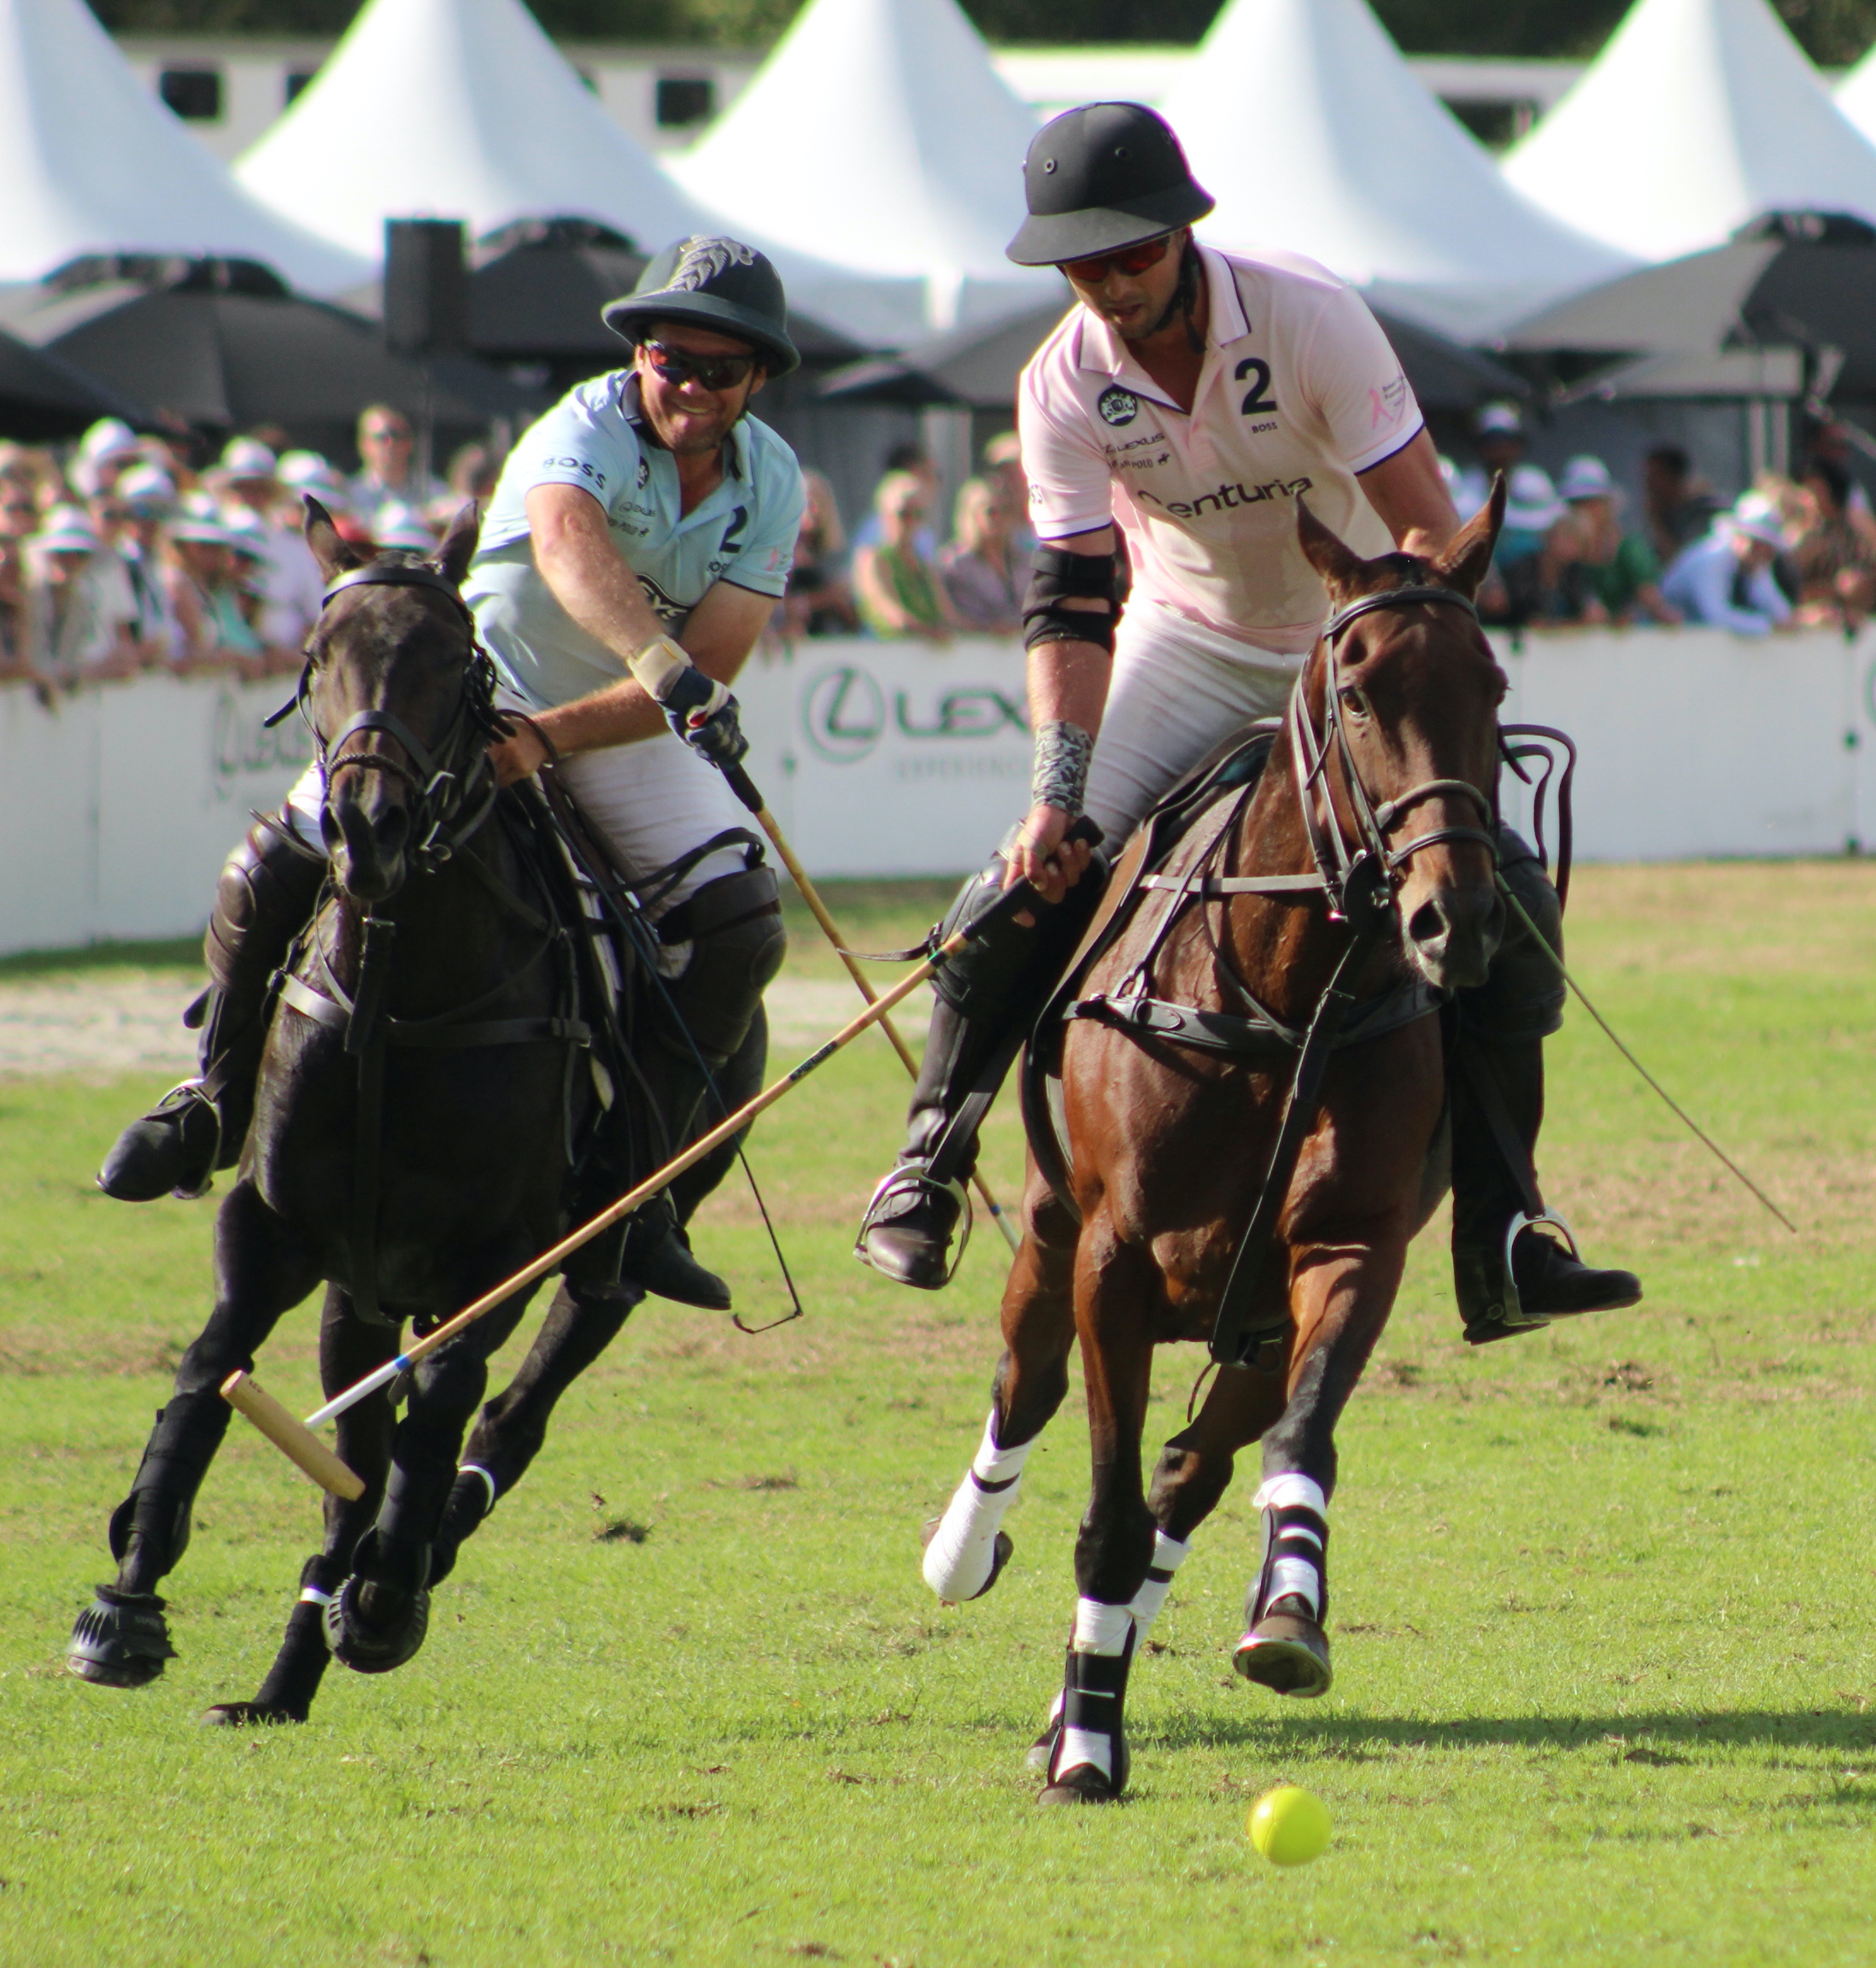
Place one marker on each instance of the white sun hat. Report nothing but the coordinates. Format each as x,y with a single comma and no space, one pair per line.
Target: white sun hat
1532,505
1586,478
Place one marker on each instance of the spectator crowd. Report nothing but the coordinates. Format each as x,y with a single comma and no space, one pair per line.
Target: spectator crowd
1792,552
125,558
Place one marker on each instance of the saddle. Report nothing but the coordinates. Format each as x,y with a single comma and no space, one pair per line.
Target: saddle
1170,854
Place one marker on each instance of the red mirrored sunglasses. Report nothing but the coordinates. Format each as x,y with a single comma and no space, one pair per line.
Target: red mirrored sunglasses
679,366
1129,259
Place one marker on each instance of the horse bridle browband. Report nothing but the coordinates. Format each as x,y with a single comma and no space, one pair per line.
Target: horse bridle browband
1333,858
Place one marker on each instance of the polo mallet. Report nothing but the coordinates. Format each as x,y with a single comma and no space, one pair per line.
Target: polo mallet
653,672
297,1439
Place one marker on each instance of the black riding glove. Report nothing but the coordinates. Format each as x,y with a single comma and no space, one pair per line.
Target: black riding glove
703,713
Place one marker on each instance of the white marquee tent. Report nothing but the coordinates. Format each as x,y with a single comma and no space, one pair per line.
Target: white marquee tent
1304,121
878,137
91,162
1696,117
465,109
1856,95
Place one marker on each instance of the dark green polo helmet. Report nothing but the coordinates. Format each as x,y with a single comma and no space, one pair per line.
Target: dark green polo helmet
719,283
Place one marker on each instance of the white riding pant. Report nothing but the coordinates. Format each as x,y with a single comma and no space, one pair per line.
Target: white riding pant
1178,690
650,802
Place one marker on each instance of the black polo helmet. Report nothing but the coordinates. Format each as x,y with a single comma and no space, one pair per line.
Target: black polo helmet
1101,178
719,283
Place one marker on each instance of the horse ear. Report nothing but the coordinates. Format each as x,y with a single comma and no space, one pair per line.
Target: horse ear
1468,555
1338,567
459,546
336,556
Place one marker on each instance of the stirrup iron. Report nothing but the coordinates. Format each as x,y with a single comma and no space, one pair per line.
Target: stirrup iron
910,1180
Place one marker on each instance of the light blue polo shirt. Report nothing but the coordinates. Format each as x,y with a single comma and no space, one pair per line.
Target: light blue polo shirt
596,437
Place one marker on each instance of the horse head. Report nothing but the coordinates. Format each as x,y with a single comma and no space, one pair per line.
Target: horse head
391,690
1406,697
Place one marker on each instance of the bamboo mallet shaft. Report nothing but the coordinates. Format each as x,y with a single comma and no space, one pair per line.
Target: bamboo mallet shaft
294,1437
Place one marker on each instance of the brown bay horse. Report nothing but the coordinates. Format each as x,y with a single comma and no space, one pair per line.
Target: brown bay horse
1364,859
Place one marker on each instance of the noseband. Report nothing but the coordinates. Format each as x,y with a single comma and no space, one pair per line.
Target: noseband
441,781
1334,860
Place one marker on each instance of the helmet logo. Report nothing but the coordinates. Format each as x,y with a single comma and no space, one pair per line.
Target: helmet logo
1117,406
705,258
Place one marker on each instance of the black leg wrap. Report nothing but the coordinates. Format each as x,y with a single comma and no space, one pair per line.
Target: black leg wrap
987,1000
149,1529
1094,1701
264,899
1285,1647
471,1498
120,1640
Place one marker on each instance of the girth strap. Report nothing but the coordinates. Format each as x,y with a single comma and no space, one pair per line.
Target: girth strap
1368,903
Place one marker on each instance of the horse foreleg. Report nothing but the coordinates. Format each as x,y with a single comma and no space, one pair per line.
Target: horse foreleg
1341,1298
512,1428
967,1548
1114,1282
349,1350
122,1639
380,1615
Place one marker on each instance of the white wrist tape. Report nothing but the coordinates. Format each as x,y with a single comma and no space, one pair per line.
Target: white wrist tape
658,666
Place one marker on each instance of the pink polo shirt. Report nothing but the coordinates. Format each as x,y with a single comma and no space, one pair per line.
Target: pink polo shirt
1299,391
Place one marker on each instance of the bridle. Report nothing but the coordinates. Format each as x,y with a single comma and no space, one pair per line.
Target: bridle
453,789
1334,859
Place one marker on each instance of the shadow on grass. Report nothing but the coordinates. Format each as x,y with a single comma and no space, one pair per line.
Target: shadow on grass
1642,1735
168,954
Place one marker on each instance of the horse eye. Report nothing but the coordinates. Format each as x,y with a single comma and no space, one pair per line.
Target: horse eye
1354,702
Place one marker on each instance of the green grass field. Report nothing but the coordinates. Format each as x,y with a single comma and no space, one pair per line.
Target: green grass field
1605,1650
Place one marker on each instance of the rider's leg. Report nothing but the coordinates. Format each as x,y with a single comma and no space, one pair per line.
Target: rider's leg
1497,1081
1178,691
655,804
264,899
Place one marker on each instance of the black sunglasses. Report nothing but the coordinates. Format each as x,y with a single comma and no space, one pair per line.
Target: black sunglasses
679,366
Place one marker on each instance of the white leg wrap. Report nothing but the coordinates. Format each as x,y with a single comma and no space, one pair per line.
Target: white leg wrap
1294,1572
312,1595
958,1559
1099,1629
1277,1492
487,1482
1169,1554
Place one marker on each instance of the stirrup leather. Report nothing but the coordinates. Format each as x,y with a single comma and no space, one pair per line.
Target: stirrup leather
912,1182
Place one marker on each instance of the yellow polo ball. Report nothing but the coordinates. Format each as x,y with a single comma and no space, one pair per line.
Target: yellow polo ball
1289,1826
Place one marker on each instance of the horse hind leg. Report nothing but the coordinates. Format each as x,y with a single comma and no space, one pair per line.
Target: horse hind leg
348,1349
512,1428
966,1547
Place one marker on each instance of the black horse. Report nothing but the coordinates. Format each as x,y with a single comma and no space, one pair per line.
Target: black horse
425,1093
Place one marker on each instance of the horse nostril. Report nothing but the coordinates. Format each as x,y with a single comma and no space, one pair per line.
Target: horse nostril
1429,923
392,830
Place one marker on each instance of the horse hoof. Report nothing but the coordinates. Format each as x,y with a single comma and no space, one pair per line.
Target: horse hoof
120,1640
370,1645
1084,1785
999,1556
246,1716
1041,1752
1287,1654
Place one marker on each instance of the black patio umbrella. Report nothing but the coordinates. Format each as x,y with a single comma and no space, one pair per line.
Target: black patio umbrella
44,398
976,368
224,344
1799,280
535,298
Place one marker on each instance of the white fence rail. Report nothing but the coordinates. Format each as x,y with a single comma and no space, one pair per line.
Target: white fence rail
118,804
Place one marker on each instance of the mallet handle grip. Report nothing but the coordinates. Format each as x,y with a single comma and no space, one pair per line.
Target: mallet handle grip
292,1437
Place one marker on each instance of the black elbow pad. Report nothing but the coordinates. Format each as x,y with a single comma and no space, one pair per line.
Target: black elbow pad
1057,575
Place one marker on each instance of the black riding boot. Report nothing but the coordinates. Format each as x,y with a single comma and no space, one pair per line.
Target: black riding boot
264,899
1495,1076
988,998
1497,1103
698,1064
